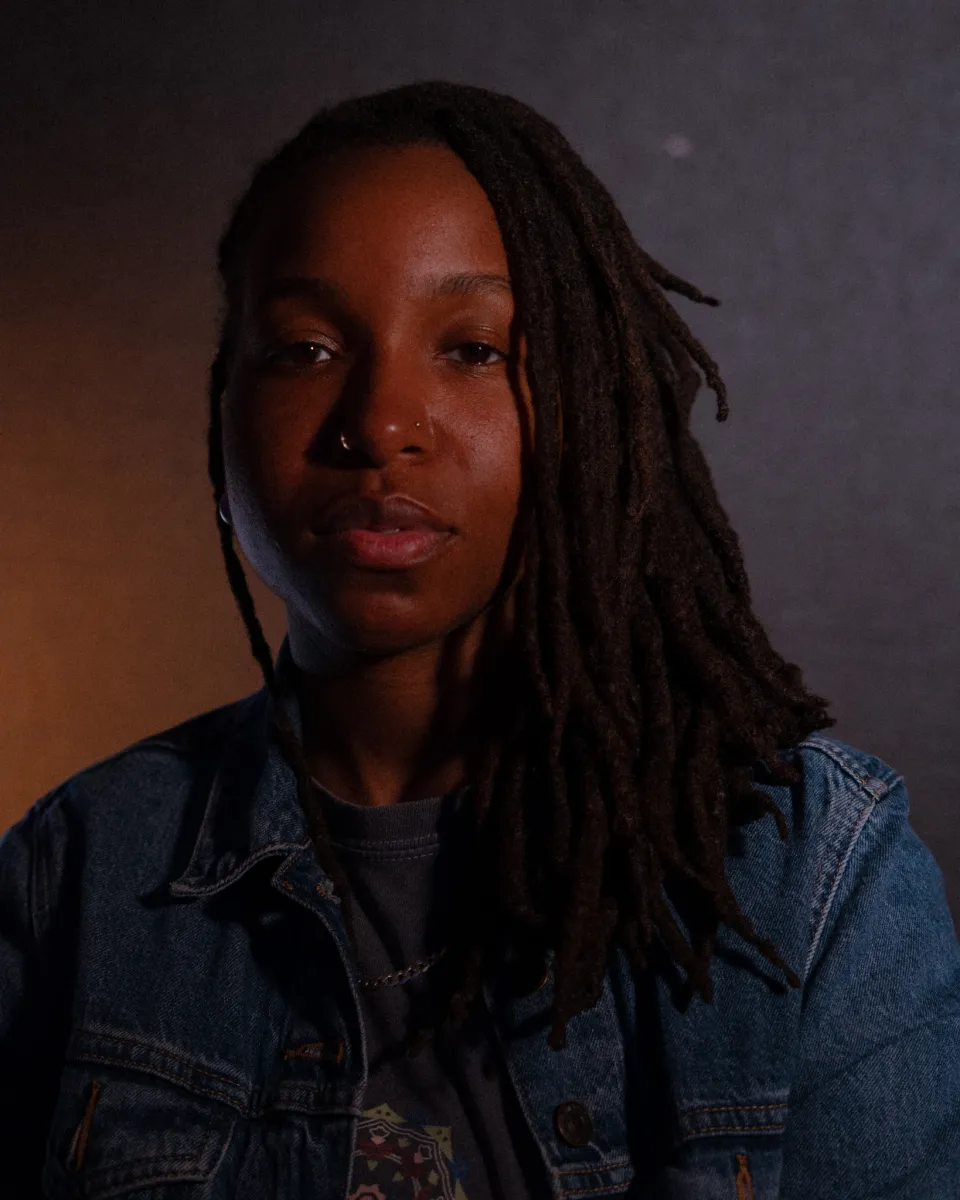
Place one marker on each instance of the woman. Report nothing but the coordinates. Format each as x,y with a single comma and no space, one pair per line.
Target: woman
474,898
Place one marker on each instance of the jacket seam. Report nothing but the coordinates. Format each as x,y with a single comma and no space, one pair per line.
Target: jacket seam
873,789
873,785
195,889
715,1108
584,1170
840,871
39,893
76,1048
716,1131
242,1106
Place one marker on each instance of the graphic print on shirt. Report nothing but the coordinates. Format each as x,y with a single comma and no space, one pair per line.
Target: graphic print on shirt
395,1160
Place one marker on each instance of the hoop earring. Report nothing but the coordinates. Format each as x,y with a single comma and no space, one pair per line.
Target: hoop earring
223,510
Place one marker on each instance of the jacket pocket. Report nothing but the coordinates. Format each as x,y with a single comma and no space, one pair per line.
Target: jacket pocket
115,1134
720,1168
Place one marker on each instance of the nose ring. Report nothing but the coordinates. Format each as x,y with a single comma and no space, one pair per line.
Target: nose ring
346,445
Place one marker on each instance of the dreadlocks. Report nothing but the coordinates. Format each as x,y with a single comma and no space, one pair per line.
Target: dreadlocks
650,690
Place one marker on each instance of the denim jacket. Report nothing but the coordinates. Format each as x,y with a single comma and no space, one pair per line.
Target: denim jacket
180,1019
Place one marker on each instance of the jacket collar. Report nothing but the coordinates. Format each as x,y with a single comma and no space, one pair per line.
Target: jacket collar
252,810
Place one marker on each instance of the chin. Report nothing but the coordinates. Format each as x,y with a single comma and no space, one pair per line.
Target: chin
368,629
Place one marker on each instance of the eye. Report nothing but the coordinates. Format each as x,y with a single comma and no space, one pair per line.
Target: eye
300,354
477,354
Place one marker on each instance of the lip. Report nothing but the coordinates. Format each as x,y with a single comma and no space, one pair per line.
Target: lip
395,551
378,514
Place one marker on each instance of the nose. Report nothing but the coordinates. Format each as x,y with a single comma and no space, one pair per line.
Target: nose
385,409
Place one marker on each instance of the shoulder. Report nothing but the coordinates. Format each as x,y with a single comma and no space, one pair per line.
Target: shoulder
838,768
846,802
855,866
148,780
840,787
847,798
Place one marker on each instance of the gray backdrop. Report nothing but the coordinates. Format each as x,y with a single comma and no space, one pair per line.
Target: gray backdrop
799,161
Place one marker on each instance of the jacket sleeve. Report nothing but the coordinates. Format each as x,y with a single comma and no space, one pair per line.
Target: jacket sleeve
33,966
875,1106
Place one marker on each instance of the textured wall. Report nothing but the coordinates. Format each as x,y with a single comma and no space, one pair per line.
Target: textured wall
800,161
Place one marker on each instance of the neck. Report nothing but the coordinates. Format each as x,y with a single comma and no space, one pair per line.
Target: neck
388,728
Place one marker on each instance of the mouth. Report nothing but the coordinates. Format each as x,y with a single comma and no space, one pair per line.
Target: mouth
387,549
385,533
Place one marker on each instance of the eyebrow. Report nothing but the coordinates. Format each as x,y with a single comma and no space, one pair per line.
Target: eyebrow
325,291
469,285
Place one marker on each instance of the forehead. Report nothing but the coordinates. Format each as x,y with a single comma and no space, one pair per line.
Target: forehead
379,212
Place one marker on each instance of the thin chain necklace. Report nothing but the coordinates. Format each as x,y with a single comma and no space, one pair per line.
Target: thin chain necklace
404,975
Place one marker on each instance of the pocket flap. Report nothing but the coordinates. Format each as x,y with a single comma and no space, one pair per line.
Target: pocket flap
113,1135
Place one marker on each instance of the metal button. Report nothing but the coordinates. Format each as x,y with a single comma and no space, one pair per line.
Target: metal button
325,1052
572,1123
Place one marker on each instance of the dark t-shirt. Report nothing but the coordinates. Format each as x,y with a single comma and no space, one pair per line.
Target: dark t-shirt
444,1124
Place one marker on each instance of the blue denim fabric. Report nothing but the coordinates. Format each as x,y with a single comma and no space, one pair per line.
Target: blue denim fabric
179,1014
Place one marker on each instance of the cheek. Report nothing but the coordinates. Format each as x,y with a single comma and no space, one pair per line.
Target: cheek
263,453
495,495
263,469
492,452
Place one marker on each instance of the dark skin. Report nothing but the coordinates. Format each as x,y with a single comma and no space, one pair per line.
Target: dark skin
401,673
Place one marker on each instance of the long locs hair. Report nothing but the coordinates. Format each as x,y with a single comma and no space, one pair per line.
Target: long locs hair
650,689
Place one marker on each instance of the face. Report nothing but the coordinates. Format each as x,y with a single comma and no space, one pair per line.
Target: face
376,305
